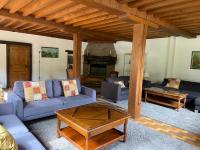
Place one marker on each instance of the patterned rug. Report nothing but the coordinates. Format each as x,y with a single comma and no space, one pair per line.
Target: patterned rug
139,138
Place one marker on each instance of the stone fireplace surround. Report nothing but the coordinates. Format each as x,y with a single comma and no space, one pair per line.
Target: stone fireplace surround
99,59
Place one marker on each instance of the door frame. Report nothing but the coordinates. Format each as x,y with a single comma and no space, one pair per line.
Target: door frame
7,57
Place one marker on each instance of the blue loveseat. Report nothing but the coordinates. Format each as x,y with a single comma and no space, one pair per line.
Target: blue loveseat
56,100
24,139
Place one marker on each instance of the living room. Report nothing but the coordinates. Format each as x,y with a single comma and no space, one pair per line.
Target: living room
84,74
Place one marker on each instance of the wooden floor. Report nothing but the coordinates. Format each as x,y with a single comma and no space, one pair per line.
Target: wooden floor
171,131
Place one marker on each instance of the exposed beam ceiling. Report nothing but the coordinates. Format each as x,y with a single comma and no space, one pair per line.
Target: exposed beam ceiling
64,28
114,7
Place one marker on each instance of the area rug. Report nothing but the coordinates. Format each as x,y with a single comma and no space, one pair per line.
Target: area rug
139,138
184,119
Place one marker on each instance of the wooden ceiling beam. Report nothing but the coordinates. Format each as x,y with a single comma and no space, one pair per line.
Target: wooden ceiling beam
114,7
61,27
28,32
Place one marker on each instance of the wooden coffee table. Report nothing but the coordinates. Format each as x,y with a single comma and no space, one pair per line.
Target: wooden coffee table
169,98
92,126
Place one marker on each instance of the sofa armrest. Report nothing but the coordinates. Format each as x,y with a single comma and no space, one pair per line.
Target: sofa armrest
17,104
88,91
6,108
110,91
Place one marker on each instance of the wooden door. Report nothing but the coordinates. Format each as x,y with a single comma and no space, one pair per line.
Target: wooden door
19,63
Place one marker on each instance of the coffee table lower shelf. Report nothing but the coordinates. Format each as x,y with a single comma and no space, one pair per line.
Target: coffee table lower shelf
96,142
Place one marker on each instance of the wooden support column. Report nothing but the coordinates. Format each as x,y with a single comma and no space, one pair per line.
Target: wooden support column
77,54
136,69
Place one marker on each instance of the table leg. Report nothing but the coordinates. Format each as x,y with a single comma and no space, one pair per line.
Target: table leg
145,98
184,102
125,130
86,143
179,104
58,127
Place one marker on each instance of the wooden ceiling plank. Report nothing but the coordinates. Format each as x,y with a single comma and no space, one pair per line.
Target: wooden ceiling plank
3,3
53,8
125,1
9,23
61,14
94,20
88,17
140,3
28,32
116,8
185,5
20,24
162,4
107,25
35,6
15,5
64,28
103,23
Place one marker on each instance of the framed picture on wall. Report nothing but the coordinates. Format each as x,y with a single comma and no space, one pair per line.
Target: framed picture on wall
195,60
50,52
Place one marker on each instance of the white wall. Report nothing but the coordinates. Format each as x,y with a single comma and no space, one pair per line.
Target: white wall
3,69
155,60
182,61
51,68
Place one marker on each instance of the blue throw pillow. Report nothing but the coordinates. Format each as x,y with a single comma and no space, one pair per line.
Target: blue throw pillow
49,88
57,88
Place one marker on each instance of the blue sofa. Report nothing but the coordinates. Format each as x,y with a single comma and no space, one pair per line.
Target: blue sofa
115,92
193,90
56,100
24,139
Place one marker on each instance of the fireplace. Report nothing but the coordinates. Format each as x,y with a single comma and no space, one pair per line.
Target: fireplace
98,70
99,60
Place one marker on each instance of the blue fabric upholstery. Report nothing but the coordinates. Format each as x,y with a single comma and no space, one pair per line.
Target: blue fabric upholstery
197,102
18,89
38,109
49,88
77,100
88,91
13,124
17,103
41,107
26,141
6,108
57,88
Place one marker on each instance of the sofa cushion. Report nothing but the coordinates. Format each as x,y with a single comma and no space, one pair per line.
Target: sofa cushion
77,100
57,88
41,107
49,88
197,101
26,141
124,91
18,89
191,94
190,86
13,124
